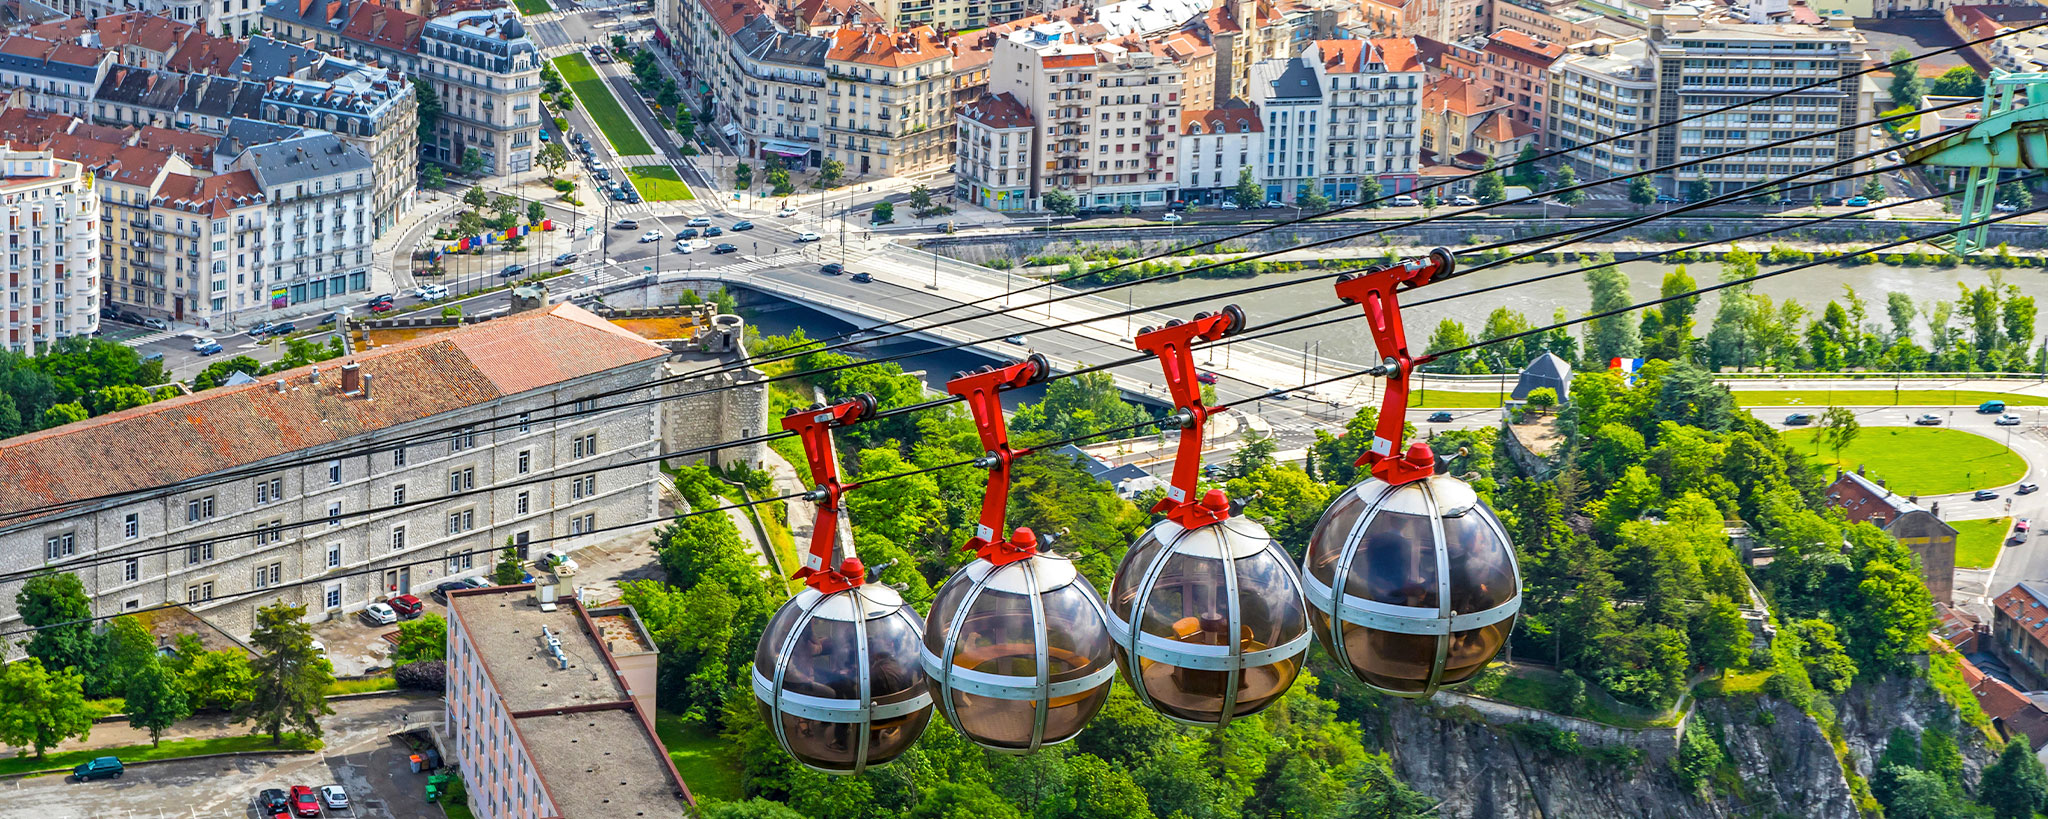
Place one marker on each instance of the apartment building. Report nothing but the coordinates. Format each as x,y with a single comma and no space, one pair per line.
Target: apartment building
550,708
317,189
375,110
2017,633
896,100
215,229
1109,114
57,75
228,18
1604,89
1702,65
1216,146
53,250
782,102
992,164
362,527
1372,114
1515,67
1555,21
1289,96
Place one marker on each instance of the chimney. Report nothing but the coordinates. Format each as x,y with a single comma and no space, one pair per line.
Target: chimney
366,386
280,386
351,378
316,374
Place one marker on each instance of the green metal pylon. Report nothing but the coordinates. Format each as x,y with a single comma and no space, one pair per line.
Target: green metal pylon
2008,134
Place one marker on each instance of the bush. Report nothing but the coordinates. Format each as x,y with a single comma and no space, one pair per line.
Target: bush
564,185
426,675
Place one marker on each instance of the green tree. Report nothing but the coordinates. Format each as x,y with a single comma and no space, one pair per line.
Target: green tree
119,397
553,157
536,213
1613,336
830,173
44,707
476,198
1839,428
1699,755
755,808
743,176
510,569
291,678
433,178
884,212
1873,190
1698,190
1542,399
2015,194
1312,200
1247,193
1369,193
1900,308
128,646
472,161
155,700
1080,406
55,606
1960,81
1768,197
1526,173
956,800
220,680
2018,318
1379,794
60,414
469,223
1907,89
1060,202
1720,637
1101,791
2016,786
1917,794
1449,335
1490,189
1641,192
921,199
1827,662
428,105
420,639
1566,194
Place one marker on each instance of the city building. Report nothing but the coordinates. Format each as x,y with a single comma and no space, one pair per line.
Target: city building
2019,633
1555,21
1604,89
58,75
992,164
2011,50
550,708
216,229
53,250
1516,69
897,101
374,110
318,188
398,518
1372,114
1216,147
1706,64
1932,540
1289,95
1109,114
781,77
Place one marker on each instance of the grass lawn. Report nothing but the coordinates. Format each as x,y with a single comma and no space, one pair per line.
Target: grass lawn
1978,541
1877,398
381,682
603,108
1899,455
1453,399
699,757
1732,683
171,749
533,6
659,183
462,811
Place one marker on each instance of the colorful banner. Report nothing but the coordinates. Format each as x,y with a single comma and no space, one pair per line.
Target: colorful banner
547,224
279,297
1628,367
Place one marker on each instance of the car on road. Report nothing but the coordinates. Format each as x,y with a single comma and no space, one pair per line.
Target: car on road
807,236
1798,419
1463,201
1177,204
2026,489
742,225
258,330
430,292
408,606
1857,202
725,247
285,329
378,614
626,224
211,348
1278,394
155,324
604,57
1984,494
2005,208
1207,378
1345,203
1991,407
544,136
383,307
650,236
619,196
714,230
1440,417
1228,204
686,233
441,591
832,269
1275,203
1017,340
786,212
106,767
683,246
1891,156
604,173
378,298
1668,199
334,797
1832,201
2008,420
700,221
1170,217
304,801
1404,201
863,277
512,271
565,260
2020,530
202,342
1929,420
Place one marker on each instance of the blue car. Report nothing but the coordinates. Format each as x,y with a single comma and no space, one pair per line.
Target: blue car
210,349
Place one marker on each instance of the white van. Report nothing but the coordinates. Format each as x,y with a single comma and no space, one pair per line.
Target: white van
560,562
433,292
1405,201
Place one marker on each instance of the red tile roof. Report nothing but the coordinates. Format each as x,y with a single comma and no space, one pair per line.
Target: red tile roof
732,15
998,111
883,48
1239,118
206,55
227,427
385,28
1451,94
1500,127
1515,45
25,127
2026,609
195,147
213,196
1067,60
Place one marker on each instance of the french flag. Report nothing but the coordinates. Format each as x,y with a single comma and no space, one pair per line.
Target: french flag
1628,368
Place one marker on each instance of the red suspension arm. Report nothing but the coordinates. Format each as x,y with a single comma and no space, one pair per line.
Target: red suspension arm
1375,289
982,391
814,428
1173,345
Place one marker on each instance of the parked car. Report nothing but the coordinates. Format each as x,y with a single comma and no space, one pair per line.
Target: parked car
1668,199
1405,201
334,797
156,324
863,278
1832,201
1275,203
441,591
2008,420
2026,489
106,767
832,269
1858,202
1170,218
650,236
725,247
807,236
304,801
378,614
683,247
1798,419
742,225
1463,201
1440,417
272,801
626,224
478,582
1929,420
1984,494
284,329
686,233
408,606
512,271
201,342
1228,204
1017,340
211,348
259,330
2005,208
1347,202
1207,377
560,562
700,221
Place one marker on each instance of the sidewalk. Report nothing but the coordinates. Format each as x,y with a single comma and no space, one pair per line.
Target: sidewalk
215,726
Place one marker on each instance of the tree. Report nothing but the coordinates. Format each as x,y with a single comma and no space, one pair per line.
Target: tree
1873,190
1490,189
128,645
1526,173
1060,202
1917,794
509,569
155,700
1542,399
742,176
1641,192
1567,194
60,414
1838,428
504,205
216,680
1369,192
1720,637
1960,81
1450,334
118,397
536,213
1768,197
2015,786
1312,200
2015,194
1698,190
1698,757
885,212
472,161
44,707
1247,193
468,223
921,199
668,96
1101,791
1907,89
476,198
428,109
834,170
553,157
1614,336
424,638
291,678
56,606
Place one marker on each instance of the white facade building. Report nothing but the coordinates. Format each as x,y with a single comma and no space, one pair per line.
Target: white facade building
53,249
1372,106
1215,148
1289,96
319,191
1604,89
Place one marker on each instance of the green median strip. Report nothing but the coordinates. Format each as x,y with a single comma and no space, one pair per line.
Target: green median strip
1899,455
601,106
1979,541
532,7
659,183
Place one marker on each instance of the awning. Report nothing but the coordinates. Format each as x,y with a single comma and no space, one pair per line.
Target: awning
784,148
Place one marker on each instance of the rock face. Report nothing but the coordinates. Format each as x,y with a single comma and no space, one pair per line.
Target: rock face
1781,757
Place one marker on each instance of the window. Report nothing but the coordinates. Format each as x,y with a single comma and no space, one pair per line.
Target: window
520,504
463,521
398,457
199,593
272,532
525,425
333,472
586,405
584,487
459,561
199,553
271,575
63,545
131,569
199,509
398,495
334,514
270,491
131,526
397,538
583,525
586,446
333,555
334,595
525,461
464,439
461,479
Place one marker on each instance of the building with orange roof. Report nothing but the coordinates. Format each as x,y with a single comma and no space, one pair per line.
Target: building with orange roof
2019,632
53,229
1516,68
59,75
1451,109
993,167
1216,149
896,102
229,17
1108,115
1558,21
26,127
208,225
1372,99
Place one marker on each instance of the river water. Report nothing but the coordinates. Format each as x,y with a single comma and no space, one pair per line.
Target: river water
1350,342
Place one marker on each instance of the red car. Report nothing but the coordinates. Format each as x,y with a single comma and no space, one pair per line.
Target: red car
304,802
1206,378
407,606
383,307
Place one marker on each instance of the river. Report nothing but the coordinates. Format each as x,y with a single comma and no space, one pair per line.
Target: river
1350,342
